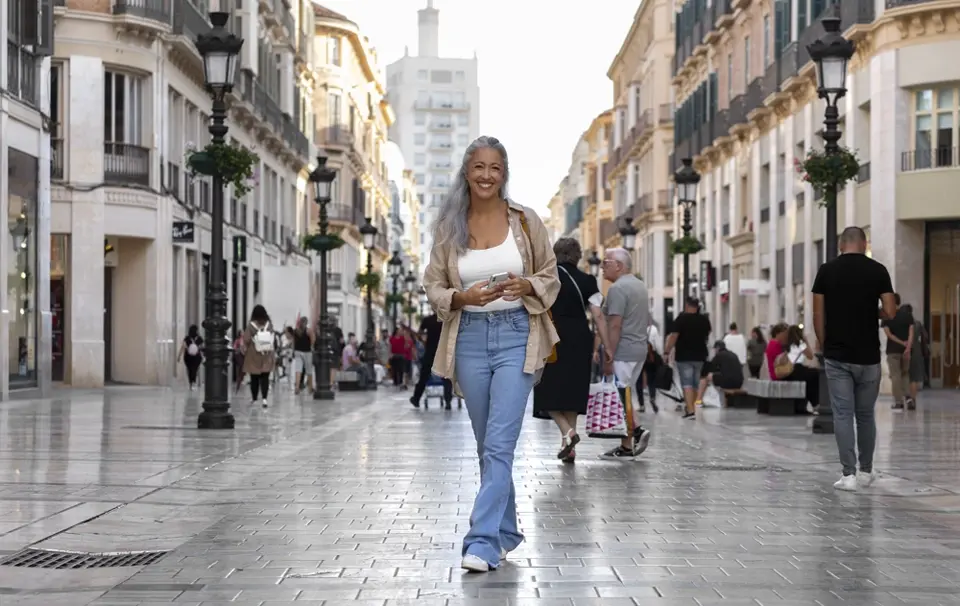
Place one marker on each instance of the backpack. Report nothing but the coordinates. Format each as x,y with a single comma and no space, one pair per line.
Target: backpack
192,348
263,339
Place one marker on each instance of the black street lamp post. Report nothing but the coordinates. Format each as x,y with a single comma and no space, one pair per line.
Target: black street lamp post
594,262
396,268
687,179
322,179
369,233
830,54
219,49
411,283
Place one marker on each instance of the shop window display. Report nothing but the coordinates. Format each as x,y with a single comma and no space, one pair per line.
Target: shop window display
21,268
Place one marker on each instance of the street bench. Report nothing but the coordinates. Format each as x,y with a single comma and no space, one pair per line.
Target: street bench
738,398
777,398
348,380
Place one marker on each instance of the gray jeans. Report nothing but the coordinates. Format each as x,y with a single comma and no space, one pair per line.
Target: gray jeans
853,396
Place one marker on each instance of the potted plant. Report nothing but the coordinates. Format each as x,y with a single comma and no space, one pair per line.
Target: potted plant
687,245
821,170
368,281
233,163
394,298
318,243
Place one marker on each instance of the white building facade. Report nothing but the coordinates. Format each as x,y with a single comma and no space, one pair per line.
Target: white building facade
130,235
437,103
763,226
25,322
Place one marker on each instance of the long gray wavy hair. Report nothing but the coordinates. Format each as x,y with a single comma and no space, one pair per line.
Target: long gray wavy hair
451,223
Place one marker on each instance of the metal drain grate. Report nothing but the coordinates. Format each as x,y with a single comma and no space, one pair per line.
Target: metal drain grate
60,560
709,467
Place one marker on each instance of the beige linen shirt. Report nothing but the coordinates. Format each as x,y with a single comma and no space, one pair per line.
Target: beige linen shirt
442,278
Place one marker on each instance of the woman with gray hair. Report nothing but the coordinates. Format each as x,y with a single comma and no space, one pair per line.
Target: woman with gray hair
492,278
563,392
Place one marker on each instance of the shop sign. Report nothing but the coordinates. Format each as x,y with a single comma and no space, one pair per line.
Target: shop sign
183,232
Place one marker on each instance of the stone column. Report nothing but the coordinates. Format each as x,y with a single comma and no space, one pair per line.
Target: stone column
709,227
753,307
632,108
735,223
776,180
851,123
811,212
790,235
287,77
85,363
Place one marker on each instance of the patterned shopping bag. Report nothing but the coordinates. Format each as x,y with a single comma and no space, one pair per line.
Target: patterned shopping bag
605,413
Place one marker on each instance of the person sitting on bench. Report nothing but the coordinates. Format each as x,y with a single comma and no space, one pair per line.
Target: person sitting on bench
724,371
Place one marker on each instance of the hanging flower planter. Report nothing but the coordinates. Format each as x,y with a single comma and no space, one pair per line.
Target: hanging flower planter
234,164
410,310
322,243
687,245
821,170
394,299
369,281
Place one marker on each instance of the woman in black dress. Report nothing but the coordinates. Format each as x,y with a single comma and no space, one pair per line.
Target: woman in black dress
565,385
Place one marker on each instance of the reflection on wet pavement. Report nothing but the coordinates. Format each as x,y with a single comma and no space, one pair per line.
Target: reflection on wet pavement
364,501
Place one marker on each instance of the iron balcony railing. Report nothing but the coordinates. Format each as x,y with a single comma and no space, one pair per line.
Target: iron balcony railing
921,159
737,113
295,138
899,3
345,213
126,163
155,10
56,159
188,20
753,99
336,134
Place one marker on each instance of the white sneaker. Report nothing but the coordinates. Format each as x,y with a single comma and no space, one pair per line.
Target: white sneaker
864,480
264,403
847,483
474,564
503,553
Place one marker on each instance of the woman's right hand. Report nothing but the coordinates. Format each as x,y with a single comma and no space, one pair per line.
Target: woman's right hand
479,295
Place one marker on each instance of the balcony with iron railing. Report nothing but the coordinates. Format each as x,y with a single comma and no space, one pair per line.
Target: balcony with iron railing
441,146
441,166
346,213
126,163
923,159
432,104
441,126
188,20
153,10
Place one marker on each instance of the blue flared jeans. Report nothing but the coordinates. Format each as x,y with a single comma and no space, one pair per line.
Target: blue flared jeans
491,348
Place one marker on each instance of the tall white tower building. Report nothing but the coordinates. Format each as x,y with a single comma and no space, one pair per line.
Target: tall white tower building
437,104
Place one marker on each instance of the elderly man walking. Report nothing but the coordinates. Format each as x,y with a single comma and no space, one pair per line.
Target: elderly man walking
627,311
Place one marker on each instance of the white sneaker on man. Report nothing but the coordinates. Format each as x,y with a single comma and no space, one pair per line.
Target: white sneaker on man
847,483
474,564
503,553
865,479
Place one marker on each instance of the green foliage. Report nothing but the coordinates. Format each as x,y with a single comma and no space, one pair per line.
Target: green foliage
394,299
410,310
821,170
317,242
232,162
687,245
367,281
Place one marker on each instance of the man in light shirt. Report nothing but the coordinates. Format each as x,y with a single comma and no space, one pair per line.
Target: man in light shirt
737,344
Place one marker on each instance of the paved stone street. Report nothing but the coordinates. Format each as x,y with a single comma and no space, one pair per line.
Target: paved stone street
363,501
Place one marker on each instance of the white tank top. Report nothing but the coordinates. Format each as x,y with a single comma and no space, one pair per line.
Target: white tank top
478,265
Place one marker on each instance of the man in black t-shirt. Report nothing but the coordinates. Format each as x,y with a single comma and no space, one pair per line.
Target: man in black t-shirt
846,293
430,328
899,332
688,342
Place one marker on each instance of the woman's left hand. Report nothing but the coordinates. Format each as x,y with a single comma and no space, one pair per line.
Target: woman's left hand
513,288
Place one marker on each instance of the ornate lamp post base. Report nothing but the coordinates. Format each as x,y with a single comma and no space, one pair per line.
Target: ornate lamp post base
215,419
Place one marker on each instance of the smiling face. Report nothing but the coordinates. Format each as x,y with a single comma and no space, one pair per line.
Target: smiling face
485,174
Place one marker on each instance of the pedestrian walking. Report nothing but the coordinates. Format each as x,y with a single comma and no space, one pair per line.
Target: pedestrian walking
259,356
303,340
492,277
564,388
756,349
687,346
846,294
899,331
191,351
627,311
430,329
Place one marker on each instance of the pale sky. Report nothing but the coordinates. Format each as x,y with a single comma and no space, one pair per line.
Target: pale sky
543,70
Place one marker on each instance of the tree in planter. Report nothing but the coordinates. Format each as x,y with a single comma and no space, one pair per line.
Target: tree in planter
822,171
232,162
368,281
687,245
